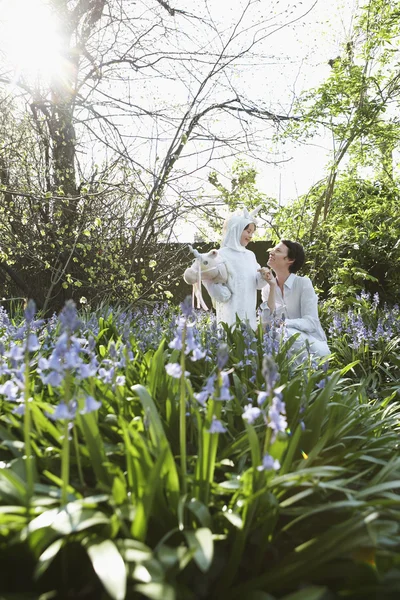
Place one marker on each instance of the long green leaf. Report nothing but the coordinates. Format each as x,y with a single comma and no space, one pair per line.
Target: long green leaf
109,566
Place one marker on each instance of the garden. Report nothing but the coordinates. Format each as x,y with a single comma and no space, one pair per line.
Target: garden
150,454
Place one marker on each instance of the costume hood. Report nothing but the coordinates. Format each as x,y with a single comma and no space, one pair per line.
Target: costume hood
233,228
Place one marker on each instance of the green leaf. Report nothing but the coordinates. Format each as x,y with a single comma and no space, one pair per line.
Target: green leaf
201,541
309,593
109,566
233,518
200,511
156,591
159,439
47,557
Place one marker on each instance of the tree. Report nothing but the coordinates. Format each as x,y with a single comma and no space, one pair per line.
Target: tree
110,141
357,103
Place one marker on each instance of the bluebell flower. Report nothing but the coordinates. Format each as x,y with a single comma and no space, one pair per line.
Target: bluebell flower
174,370
30,311
222,356
12,390
197,354
32,342
269,463
69,317
120,380
186,307
270,373
64,411
251,413
106,375
216,426
91,405
262,398
202,397
276,421
278,404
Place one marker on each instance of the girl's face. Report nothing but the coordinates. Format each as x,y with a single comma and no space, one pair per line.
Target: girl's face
247,234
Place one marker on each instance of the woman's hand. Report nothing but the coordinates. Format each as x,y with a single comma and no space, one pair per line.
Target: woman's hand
267,275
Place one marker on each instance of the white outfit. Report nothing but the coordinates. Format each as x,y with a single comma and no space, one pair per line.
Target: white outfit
299,304
238,297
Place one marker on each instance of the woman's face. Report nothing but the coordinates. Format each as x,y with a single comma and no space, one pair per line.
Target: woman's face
247,234
278,257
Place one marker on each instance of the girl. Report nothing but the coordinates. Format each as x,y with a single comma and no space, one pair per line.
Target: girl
238,297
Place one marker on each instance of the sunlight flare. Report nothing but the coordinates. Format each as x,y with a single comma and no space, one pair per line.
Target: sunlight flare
31,38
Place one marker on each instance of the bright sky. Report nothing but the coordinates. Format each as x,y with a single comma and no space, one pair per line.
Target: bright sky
307,46
296,59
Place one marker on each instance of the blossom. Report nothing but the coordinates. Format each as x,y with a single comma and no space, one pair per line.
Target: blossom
69,317
32,342
270,372
262,398
202,397
174,370
224,393
198,354
30,311
91,405
251,413
216,426
64,411
222,356
276,421
269,463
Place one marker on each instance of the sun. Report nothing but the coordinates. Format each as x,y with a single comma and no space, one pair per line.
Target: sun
30,38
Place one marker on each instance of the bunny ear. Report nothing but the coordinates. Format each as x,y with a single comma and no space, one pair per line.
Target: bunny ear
255,211
246,213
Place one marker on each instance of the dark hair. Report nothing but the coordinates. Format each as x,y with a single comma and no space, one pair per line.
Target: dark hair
295,253
248,225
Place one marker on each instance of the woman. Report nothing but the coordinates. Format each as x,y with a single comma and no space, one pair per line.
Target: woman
293,296
238,297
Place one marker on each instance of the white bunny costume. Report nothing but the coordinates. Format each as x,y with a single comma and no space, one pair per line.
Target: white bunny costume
238,297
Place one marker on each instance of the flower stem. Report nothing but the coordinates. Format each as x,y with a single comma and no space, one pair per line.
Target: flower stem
182,416
27,433
65,464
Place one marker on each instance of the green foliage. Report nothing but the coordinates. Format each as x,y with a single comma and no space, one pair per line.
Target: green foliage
243,192
152,513
357,246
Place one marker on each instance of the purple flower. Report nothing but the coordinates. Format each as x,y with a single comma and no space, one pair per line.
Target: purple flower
216,426
269,463
32,343
251,413
270,372
11,389
174,370
202,397
198,354
222,356
91,405
69,317
30,311
64,411
262,398
186,307
120,380
276,422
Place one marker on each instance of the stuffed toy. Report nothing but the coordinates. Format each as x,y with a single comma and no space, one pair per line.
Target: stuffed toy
206,267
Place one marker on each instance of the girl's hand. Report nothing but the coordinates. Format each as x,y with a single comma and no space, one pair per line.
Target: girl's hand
267,275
